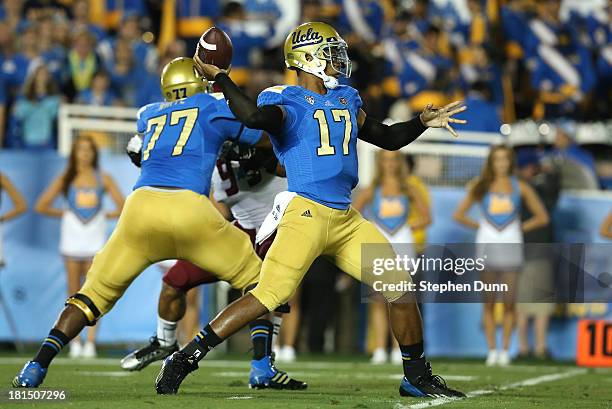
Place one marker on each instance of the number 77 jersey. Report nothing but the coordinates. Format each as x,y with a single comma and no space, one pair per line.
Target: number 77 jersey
182,139
318,142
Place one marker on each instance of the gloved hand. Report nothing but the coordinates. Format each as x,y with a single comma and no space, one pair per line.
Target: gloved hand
134,150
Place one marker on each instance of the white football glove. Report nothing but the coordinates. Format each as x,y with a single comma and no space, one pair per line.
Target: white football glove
135,144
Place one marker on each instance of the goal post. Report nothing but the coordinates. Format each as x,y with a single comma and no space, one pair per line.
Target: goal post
111,127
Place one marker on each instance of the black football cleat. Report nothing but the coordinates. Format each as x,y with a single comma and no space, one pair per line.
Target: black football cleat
144,356
428,386
174,369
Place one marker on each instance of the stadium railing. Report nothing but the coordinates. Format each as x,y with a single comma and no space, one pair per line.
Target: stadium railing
441,160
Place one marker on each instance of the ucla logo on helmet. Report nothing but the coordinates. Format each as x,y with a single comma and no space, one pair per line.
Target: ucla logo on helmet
343,101
310,99
310,37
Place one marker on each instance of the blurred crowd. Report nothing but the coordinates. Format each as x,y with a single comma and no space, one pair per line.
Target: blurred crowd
510,59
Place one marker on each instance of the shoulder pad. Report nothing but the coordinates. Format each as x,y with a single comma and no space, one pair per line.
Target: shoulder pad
272,95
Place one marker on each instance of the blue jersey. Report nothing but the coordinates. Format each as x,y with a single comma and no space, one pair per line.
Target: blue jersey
318,142
182,140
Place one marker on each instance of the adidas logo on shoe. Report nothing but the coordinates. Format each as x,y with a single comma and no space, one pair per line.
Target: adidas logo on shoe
307,213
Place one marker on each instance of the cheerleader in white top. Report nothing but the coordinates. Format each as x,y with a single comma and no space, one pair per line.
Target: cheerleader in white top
84,227
499,236
388,203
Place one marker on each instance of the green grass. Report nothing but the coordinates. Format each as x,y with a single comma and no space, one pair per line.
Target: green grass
338,383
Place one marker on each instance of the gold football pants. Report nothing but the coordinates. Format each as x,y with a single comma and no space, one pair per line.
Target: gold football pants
308,230
157,225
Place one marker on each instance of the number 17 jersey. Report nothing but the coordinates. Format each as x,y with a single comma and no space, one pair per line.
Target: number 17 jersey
318,142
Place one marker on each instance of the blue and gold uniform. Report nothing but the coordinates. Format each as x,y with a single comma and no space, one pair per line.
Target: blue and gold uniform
168,215
193,131
318,147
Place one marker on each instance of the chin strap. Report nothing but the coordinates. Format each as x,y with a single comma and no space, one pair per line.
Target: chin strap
329,81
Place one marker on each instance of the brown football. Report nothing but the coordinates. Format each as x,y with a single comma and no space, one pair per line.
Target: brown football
215,47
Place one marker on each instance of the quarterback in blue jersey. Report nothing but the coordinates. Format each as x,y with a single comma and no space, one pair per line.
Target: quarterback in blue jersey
168,215
314,129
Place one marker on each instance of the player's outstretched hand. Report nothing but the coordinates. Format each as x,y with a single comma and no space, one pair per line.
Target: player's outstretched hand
209,71
442,117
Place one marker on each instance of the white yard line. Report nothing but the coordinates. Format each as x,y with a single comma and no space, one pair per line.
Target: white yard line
526,382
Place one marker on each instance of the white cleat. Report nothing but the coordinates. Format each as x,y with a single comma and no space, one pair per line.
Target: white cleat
379,357
89,351
76,350
492,358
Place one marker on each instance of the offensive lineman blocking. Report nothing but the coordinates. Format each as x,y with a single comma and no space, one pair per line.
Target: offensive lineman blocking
168,215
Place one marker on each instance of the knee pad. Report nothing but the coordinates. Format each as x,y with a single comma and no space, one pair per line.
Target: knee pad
284,308
87,307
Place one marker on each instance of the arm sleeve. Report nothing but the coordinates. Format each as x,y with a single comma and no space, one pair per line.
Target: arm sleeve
267,117
391,137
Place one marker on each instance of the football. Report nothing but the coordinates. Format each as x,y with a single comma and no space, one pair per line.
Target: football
215,47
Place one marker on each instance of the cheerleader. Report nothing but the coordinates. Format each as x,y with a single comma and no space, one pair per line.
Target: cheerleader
499,236
388,203
83,227
19,207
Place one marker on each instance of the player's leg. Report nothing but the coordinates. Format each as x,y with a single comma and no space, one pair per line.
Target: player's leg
73,282
85,307
281,273
170,309
190,324
113,269
264,373
291,318
177,281
349,233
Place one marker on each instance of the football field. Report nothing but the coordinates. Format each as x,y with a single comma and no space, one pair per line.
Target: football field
335,383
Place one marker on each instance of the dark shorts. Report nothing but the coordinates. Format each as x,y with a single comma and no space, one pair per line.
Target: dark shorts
184,275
